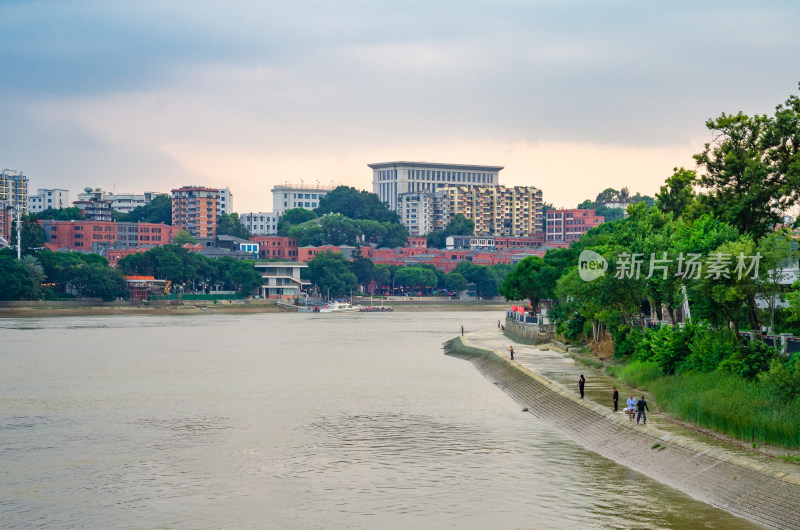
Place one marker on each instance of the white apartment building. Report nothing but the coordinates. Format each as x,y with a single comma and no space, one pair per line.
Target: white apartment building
424,211
121,202
498,210
14,190
288,196
260,223
224,202
48,198
391,179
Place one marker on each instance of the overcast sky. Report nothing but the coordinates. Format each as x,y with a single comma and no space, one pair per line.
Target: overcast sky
570,96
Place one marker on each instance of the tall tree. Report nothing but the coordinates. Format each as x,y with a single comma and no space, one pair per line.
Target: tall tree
331,273
355,204
230,225
159,210
677,193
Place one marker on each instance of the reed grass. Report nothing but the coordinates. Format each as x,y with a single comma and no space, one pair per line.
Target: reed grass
742,409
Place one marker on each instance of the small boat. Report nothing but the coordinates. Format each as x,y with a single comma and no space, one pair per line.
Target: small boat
338,306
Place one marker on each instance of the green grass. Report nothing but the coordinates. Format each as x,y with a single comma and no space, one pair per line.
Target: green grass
742,409
726,403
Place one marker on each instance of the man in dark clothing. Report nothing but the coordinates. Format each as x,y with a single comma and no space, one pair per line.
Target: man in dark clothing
615,397
581,382
641,406
511,351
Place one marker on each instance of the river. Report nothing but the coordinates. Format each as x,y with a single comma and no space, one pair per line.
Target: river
290,421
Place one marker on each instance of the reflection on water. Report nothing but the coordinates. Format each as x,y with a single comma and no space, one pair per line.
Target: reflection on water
290,421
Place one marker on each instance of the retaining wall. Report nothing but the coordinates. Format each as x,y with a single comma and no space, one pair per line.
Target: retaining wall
712,475
526,333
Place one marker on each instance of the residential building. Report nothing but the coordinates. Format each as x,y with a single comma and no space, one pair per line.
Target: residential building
276,247
14,190
98,236
288,196
423,212
6,223
392,179
225,202
121,202
194,209
570,225
93,206
498,210
260,223
281,280
48,198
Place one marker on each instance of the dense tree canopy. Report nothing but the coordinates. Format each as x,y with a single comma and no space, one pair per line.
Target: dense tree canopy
159,210
458,226
331,274
356,204
229,224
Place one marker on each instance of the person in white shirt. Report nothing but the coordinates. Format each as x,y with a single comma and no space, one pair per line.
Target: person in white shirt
631,405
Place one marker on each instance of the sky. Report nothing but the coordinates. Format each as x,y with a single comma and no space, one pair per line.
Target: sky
569,96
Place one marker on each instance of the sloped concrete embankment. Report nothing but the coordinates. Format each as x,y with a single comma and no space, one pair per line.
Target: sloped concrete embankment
709,474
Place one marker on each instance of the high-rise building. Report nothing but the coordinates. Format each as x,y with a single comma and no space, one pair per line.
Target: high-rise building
14,190
289,196
391,179
225,203
48,198
570,225
194,209
423,212
498,210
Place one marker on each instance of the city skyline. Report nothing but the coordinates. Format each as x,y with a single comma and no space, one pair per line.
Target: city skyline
569,97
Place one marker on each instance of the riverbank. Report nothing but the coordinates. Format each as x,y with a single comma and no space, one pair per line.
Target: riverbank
98,308
753,486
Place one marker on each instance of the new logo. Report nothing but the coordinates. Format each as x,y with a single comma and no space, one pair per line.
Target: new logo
591,265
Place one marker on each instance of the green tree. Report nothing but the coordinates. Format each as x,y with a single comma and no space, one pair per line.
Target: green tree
363,268
32,235
71,213
356,204
752,168
458,226
294,217
17,283
331,273
158,210
240,275
230,225
456,282
677,193
98,280
183,237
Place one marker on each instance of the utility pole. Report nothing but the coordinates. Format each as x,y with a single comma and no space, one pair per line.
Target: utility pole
19,229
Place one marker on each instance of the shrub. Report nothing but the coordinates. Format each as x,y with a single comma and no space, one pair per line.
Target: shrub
641,373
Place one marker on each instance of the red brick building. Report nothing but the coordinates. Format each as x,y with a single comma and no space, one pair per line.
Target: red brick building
570,225
276,247
194,209
92,236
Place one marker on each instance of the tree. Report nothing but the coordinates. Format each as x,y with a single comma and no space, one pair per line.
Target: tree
71,213
230,225
239,274
32,235
36,272
356,204
456,282
17,283
533,279
363,268
394,235
332,274
677,193
98,280
294,217
458,226
158,210
752,168
183,237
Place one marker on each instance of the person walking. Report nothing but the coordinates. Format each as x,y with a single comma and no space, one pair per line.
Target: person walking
511,351
581,382
641,406
631,406
462,330
615,397
498,324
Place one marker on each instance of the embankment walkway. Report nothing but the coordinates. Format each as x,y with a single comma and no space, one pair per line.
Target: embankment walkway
754,487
